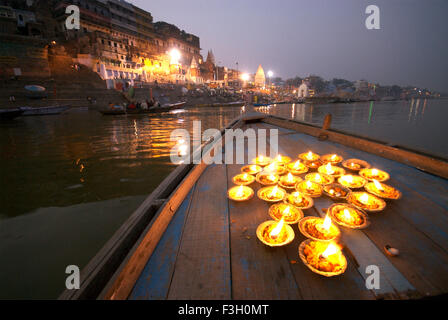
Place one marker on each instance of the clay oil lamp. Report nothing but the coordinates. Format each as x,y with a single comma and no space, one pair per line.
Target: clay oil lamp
267,178
348,216
240,193
297,168
252,169
323,258
374,174
289,181
289,213
271,194
331,170
313,164
309,156
355,164
319,229
319,178
366,201
262,161
309,188
243,179
331,158
282,159
382,190
352,182
275,234
299,200
276,168
336,191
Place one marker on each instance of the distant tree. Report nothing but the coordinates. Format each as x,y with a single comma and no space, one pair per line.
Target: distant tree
318,83
294,82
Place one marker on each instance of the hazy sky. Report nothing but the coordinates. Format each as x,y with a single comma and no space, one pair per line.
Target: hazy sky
323,37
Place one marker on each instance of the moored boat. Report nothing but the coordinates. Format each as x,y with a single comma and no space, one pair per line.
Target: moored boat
188,226
43,111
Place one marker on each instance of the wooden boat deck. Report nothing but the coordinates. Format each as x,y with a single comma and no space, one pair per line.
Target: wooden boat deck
210,250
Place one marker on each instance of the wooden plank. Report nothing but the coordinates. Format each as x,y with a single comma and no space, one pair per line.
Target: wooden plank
258,272
350,285
422,262
202,270
155,279
432,165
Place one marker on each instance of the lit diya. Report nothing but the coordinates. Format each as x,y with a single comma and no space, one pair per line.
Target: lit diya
240,193
299,200
331,170
313,164
289,181
319,178
309,188
366,201
275,234
251,169
309,156
282,159
374,174
331,158
336,191
267,179
285,211
348,216
297,168
355,164
243,179
383,190
276,168
319,229
271,194
323,258
262,161
352,182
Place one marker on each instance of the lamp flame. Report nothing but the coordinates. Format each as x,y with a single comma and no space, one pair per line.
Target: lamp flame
347,215
374,172
297,165
287,211
274,192
364,198
240,192
329,168
290,178
327,223
276,231
378,185
331,249
309,155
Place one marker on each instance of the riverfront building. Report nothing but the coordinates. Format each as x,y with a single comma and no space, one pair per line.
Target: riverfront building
116,39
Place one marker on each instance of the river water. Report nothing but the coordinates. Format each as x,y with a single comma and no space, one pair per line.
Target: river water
69,181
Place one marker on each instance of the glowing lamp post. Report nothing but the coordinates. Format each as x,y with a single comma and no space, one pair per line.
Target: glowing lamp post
175,58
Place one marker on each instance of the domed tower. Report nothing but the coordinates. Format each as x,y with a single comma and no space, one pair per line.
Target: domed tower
260,78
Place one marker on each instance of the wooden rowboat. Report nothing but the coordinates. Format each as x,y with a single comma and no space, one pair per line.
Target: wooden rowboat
188,241
44,111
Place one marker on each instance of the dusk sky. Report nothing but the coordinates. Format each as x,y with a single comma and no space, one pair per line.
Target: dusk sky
322,37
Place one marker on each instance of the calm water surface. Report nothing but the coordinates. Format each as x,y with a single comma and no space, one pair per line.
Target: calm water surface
68,182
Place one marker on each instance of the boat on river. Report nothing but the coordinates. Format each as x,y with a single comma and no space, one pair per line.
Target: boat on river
43,111
188,241
164,108
9,114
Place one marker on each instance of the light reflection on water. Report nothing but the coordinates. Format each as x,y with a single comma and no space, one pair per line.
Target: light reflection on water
69,181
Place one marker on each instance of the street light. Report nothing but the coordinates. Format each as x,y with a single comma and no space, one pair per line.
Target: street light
245,77
270,75
175,56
